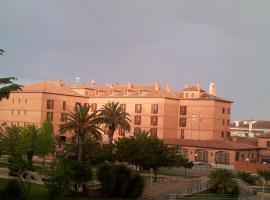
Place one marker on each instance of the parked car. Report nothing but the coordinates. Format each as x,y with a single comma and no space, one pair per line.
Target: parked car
202,165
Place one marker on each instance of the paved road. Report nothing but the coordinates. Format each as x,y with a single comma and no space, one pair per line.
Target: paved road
159,190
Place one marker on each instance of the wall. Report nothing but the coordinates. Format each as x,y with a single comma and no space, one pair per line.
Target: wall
212,153
26,108
145,113
249,167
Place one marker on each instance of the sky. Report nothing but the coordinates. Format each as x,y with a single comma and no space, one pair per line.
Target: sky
143,41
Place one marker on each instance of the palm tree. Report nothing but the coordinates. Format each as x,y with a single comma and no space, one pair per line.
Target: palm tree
223,182
10,138
83,124
113,115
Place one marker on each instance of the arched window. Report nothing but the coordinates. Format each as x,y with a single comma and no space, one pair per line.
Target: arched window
237,156
222,157
201,155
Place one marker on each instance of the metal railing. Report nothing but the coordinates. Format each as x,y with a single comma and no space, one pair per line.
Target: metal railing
186,191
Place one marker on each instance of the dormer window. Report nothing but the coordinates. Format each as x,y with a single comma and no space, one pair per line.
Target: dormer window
126,92
111,93
141,93
97,92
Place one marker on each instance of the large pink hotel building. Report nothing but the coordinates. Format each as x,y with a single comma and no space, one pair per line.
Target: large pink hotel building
196,120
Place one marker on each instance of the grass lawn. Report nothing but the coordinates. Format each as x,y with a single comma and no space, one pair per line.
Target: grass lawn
175,174
39,192
209,196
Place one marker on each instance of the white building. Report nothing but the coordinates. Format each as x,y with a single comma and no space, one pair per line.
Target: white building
250,128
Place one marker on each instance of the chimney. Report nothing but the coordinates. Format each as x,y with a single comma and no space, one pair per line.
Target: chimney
129,85
157,87
250,125
58,83
198,85
93,83
186,86
212,89
168,87
236,123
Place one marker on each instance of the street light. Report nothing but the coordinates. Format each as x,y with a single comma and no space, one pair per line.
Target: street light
247,160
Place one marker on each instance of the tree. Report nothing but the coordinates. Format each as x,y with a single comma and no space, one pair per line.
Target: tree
223,182
113,115
28,142
65,176
8,86
2,52
183,162
83,124
146,151
10,138
45,140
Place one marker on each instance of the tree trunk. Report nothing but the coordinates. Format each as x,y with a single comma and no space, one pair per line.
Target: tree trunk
80,149
185,172
43,161
155,171
110,134
29,156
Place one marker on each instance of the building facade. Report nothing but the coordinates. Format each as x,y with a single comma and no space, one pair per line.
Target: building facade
195,120
164,113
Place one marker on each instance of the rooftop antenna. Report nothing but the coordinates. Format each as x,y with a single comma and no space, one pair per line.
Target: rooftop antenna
77,79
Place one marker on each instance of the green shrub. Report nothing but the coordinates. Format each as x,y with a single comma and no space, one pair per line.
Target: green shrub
119,181
247,177
14,190
136,186
222,182
65,177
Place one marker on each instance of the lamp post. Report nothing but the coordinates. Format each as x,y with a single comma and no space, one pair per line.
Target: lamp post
247,160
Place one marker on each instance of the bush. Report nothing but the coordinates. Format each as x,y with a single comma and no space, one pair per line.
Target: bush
222,182
247,177
65,178
16,164
136,186
119,181
14,190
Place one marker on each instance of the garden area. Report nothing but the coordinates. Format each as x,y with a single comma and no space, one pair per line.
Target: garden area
65,169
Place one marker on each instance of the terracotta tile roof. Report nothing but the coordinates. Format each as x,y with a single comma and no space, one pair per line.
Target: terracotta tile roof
53,87
193,88
267,135
207,96
246,140
153,90
120,87
215,144
136,94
